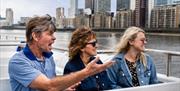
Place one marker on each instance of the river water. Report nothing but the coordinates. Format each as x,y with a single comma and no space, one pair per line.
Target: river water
106,40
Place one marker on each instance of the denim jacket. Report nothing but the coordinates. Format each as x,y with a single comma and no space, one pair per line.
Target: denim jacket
96,82
121,77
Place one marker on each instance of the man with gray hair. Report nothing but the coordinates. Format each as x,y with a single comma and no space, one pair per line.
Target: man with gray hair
33,68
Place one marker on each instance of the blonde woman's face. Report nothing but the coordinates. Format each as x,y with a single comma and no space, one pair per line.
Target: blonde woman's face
139,42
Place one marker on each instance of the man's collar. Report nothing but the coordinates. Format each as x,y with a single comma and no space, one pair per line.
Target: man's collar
28,53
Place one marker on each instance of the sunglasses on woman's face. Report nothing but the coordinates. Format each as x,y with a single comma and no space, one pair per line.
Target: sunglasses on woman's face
93,43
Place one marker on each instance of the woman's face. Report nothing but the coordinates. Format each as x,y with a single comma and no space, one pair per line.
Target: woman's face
90,48
139,42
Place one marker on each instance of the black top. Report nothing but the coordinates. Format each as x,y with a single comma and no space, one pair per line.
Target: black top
132,69
96,82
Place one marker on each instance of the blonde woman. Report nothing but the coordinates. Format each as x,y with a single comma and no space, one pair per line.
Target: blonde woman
133,67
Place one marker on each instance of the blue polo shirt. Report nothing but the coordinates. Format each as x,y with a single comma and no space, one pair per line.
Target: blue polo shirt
24,67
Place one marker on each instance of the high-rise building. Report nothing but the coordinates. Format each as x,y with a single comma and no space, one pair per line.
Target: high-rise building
166,17
98,5
161,2
141,13
109,20
125,5
24,20
3,22
97,8
171,1
9,16
102,20
174,1
80,12
124,18
149,7
125,13
81,20
166,2
90,4
73,10
102,5
60,17
69,22
99,20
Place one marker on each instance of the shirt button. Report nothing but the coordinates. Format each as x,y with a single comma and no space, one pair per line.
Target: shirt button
142,82
123,74
139,69
97,77
102,84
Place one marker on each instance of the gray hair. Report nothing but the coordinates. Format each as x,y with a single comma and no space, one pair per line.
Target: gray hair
38,25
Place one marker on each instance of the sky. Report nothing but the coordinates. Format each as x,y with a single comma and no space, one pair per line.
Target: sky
29,8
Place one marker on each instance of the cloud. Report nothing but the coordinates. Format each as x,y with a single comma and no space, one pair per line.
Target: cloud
23,8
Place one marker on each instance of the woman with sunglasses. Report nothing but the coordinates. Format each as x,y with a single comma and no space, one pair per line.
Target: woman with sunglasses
133,67
82,49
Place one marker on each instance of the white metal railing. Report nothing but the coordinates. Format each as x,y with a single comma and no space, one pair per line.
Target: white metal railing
169,58
168,53
169,83
8,37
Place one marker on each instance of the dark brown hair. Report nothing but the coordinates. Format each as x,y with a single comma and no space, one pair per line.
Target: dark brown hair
79,39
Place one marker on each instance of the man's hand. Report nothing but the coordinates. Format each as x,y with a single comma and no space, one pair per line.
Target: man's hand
94,68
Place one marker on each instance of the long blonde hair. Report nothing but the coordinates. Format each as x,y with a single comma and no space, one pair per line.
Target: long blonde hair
129,35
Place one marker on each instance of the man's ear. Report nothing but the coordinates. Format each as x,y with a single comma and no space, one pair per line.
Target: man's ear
34,36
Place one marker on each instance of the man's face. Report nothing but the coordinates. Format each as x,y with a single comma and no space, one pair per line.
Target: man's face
46,40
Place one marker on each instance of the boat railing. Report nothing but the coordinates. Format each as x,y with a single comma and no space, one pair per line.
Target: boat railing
168,53
169,83
169,61
7,37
